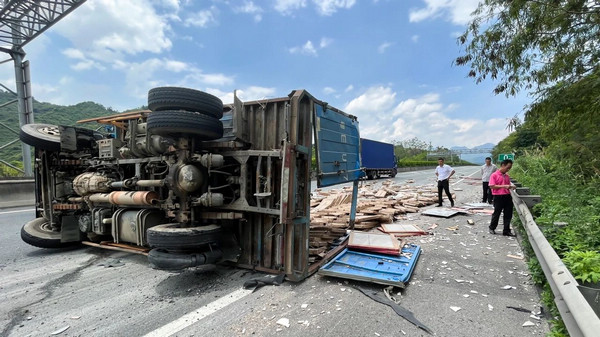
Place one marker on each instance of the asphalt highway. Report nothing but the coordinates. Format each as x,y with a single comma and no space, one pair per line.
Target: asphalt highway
86,291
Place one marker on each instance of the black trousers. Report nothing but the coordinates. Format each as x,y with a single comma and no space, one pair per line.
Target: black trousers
502,204
444,185
487,193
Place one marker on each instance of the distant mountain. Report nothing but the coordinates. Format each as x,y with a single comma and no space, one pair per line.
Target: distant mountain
43,113
459,148
475,158
485,146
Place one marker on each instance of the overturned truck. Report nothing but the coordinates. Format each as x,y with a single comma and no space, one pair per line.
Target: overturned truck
191,181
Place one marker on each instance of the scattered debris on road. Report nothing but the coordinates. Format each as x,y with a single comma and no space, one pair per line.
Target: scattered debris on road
260,282
284,322
61,330
402,312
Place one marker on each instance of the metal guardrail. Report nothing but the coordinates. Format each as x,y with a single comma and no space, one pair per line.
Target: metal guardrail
577,314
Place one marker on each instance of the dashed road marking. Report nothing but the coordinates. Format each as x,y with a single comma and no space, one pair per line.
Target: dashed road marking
464,179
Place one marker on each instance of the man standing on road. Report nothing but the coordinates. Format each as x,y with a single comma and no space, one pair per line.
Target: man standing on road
501,186
486,171
443,173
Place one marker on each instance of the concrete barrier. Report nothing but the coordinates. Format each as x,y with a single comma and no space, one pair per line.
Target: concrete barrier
415,168
15,193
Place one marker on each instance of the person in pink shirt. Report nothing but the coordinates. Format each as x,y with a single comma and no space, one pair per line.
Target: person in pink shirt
501,186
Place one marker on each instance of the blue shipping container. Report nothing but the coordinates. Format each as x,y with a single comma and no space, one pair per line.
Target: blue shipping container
377,155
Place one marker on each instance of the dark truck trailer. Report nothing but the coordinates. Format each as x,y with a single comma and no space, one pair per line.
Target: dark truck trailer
191,181
378,158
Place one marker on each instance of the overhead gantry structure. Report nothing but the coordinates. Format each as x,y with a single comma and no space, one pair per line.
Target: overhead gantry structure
21,21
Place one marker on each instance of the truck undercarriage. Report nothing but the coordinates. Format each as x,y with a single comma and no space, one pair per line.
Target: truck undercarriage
189,181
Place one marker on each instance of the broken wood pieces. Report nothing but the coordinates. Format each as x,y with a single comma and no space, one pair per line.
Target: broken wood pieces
402,230
374,242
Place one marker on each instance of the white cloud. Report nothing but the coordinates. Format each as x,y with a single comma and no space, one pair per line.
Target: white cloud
329,90
328,7
382,118
141,76
374,100
83,62
349,88
249,7
309,49
415,38
325,41
110,29
305,49
456,11
203,18
382,47
250,93
286,7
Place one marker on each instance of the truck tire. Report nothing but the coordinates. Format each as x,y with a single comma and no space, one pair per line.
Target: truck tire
175,98
164,260
394,172
175,237
170,122
38,233
41,136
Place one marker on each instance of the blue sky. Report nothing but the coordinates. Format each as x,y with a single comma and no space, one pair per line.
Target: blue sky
389,62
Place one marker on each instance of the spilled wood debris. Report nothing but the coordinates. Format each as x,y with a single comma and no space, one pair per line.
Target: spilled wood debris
376,205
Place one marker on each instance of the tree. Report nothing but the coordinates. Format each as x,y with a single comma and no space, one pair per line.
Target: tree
532,44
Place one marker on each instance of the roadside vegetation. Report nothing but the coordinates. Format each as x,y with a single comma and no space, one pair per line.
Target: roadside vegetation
550,50
413,153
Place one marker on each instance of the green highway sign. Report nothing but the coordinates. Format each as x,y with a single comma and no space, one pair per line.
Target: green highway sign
503,156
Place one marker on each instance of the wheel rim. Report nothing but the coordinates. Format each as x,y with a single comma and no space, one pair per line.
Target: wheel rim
46,227
50,130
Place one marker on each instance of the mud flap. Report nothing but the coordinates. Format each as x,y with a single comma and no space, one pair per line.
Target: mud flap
69,229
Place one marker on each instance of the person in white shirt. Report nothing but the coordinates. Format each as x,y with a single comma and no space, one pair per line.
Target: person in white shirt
486,172
443,173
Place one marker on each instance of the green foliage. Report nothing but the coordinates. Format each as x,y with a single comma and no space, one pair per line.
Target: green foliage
585,266
416,163
531,44
568,197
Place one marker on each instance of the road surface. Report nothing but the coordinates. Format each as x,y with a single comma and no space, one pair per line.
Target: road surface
85,291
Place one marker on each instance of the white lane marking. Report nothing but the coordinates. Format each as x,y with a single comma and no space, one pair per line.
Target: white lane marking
467,176
19,211
198,314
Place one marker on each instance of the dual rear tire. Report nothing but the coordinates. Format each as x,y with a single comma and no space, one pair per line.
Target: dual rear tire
185,112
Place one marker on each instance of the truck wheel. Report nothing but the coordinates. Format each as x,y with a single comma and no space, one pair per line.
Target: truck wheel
175,98
176,237
41,136
38,233
170,122
161,259
394,172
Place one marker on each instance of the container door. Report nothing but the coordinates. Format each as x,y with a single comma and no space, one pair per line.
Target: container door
337,147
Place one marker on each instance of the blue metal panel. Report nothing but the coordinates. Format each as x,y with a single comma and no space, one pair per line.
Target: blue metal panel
377,155
375,268
338,147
